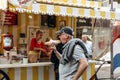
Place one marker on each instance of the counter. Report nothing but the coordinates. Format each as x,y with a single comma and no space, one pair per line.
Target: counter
29,71
38,71
16,65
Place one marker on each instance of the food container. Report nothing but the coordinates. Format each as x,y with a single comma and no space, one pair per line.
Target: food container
15,59
25,60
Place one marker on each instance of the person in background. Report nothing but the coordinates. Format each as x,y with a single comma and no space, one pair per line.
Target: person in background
88,44
72,61
55,60
37,44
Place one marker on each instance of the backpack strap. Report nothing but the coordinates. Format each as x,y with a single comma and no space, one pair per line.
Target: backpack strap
83,47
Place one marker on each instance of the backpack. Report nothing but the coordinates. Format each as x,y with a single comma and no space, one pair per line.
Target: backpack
83,47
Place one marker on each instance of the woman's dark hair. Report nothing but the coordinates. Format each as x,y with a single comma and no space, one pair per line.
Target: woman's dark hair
58,37
38,32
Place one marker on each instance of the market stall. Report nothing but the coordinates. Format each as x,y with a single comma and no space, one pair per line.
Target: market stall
69,10
29,16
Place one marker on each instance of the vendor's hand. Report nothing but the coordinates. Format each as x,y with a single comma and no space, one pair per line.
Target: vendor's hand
43,50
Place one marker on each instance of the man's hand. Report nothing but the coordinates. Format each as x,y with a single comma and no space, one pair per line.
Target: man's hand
74,78
82,67
54,48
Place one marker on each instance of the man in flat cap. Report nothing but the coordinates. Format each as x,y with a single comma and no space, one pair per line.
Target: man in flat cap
73,61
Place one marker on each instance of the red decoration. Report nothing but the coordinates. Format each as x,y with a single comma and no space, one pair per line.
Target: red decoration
21,3
7,41
101,44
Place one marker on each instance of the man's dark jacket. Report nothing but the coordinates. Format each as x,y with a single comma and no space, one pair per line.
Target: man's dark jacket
53,58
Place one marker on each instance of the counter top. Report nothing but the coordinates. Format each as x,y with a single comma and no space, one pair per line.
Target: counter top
15,65
99,61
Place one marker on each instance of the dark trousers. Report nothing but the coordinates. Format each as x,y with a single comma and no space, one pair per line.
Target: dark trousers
56,74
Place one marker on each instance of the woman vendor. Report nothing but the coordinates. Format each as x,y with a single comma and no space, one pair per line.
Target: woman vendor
37,44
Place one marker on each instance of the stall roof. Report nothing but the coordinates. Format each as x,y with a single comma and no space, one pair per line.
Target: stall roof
3,4
75,8
79,3
50,9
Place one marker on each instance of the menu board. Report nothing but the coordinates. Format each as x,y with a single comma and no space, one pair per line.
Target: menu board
84,22
11,18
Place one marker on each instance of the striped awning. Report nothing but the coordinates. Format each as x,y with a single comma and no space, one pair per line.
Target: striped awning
68,11
3,4
79,3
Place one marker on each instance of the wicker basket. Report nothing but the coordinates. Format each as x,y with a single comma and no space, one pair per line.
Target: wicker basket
32,57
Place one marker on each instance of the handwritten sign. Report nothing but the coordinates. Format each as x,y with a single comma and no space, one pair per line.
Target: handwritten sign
11,18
